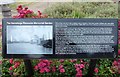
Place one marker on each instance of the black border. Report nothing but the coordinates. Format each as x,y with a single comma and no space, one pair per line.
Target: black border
50,56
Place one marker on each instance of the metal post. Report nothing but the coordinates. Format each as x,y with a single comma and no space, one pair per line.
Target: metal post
91,68
29,68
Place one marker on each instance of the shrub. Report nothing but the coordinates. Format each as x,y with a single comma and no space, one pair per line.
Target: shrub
83,10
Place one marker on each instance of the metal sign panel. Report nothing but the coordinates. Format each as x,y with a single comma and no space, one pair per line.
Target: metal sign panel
60,38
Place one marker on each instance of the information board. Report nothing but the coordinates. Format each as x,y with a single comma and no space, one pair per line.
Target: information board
60,38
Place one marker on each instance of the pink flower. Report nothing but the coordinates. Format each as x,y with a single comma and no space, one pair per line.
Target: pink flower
77,69
118,41
119,61
41,64
42,70
50,61
46,69
61,66
45,61
115,63
118,32
79,73
119,52
36,67
73,60
11,61
0,26
61,60
96,70
119,24
62,70
48,64
76,65
0,61
16,64
79,66
53,69
81,61
29,12
26,13
82,66
11,68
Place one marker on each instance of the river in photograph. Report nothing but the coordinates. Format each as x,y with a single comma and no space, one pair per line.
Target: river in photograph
27,48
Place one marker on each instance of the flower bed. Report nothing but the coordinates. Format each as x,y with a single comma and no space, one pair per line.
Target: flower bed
57,67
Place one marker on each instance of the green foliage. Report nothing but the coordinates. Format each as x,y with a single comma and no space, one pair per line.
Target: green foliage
83,10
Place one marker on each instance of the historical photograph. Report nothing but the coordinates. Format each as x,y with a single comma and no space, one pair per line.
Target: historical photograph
29,39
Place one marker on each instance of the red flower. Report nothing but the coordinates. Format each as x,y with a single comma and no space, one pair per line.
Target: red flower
11,68
62,70
26,13
26,8
96,70
20,6
39,13
11,61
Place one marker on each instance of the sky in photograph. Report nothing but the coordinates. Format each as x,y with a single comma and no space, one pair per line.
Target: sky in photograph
26,33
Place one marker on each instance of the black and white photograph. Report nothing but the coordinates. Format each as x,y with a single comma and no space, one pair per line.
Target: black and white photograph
30,39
